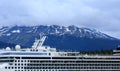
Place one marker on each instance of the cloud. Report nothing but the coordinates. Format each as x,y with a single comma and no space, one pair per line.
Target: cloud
98,14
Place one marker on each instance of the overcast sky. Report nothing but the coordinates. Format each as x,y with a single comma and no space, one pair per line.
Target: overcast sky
103,15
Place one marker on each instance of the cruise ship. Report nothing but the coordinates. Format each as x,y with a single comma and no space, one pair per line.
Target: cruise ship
45,58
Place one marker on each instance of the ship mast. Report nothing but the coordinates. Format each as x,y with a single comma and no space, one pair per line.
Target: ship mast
41,41
38,43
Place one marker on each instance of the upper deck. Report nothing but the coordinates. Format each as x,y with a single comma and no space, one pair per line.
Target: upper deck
38,50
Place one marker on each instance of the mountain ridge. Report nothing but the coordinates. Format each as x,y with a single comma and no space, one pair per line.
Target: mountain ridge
59,37
53,29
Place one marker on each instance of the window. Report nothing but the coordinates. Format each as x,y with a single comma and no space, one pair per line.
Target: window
5,67
49,54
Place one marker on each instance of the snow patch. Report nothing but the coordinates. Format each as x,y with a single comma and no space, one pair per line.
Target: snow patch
67,29
35,29
8,34
4,30
56,31
16,31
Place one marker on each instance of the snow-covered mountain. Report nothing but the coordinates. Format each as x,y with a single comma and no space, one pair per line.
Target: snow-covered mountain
54,30
57,36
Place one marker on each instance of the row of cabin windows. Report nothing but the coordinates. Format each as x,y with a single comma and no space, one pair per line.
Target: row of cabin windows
35,61
19,60
71,64
63,64
36,70
67,64
71,67
62,68
77,61
13,67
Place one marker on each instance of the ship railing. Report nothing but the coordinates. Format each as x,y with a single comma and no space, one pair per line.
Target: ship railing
116,50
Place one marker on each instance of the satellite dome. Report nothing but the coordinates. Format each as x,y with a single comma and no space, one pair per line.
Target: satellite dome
17,47
8,49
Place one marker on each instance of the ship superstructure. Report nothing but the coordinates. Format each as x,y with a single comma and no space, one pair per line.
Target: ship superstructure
45,58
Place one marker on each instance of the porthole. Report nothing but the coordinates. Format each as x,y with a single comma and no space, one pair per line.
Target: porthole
49,54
